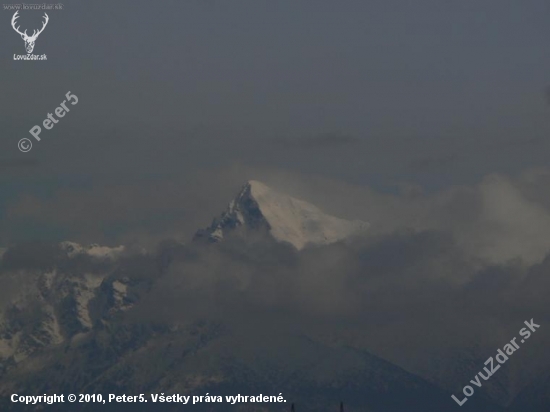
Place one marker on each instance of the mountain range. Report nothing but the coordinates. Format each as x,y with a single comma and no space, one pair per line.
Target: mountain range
98,319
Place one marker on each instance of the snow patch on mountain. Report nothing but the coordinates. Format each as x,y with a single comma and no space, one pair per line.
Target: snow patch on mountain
94,250
84,292
287,219
120,293
50,308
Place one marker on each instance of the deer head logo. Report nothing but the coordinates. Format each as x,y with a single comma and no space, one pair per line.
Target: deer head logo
29,40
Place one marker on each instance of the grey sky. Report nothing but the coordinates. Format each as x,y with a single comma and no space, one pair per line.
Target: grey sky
429,93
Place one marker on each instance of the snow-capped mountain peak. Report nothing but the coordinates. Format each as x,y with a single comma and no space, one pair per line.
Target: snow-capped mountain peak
287,219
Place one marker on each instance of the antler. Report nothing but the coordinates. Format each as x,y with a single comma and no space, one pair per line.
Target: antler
13,19
36,33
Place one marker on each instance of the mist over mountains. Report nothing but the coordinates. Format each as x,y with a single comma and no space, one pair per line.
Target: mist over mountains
275,297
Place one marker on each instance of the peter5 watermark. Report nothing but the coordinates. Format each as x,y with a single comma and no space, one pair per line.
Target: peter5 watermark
501,358
25,144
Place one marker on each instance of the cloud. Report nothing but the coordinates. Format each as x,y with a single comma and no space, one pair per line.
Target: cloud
499,219
512,226
418,287
442,249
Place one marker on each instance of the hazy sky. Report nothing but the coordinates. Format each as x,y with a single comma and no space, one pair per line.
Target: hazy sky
375,93
426,114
